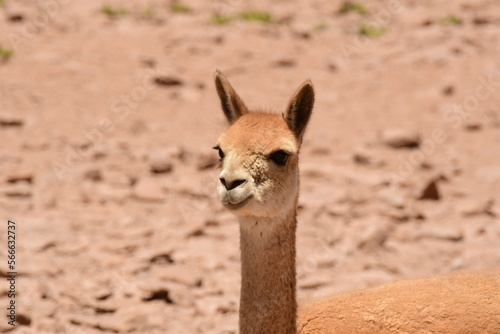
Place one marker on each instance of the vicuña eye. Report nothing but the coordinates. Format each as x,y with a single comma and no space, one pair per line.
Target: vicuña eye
280,157
221,154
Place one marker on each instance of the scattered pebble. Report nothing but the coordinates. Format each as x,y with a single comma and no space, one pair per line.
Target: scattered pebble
148,190
440,232
472,126
332,67
148,62
474,207
168,81
429,191
481,20
162,259
399,138
93,175
15,17
211,305
448,90
160,163
285,62
20,176
10,121
18,190
161,295
183,274
364,157
102,293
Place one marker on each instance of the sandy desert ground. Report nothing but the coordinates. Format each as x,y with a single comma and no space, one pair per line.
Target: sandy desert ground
108,113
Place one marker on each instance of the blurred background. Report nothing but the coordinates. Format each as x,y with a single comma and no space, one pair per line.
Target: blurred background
108,113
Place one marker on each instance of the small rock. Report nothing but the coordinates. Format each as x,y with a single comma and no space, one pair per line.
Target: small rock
302,34
332,66
11,121
495,209
15,17
320,150
111,324
481,20
448,90
427,22
399,138
160,163
475,207
102,293
396,215
196,232
429,191
20,176
167,81
148,62
163,258
361,158
23,320
148,190
160,295
212,305
18,190
441,232
365,157
171,153
184,275
93,175
472,126
219,39
372,179
285,62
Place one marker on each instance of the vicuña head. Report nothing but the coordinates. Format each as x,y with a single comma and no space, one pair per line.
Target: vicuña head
259,183
259,154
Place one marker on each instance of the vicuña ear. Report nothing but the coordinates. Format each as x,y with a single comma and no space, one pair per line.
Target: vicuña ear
299,109
231,103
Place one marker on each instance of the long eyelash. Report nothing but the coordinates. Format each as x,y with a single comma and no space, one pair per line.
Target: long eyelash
221,154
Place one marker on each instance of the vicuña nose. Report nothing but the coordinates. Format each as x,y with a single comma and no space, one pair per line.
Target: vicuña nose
231,184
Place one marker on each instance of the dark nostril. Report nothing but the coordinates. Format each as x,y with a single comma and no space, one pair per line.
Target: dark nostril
236,183
233,184
223,181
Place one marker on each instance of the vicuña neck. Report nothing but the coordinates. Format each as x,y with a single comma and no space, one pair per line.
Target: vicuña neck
268,303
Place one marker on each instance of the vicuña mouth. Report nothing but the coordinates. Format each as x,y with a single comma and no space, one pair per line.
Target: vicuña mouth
239,205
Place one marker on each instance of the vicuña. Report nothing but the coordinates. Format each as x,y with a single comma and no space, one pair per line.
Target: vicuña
259,183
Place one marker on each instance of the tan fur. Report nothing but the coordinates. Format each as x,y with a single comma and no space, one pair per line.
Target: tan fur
462,302
263,195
